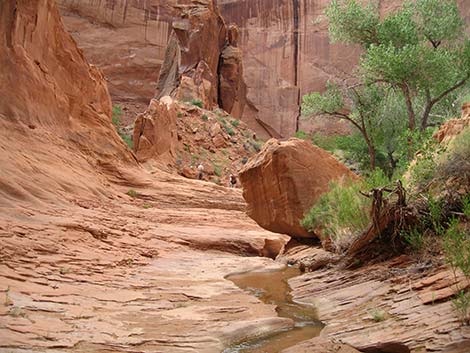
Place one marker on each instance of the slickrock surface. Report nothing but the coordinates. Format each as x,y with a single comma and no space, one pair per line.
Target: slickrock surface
283,182
320,345
414,300
128,273
96,254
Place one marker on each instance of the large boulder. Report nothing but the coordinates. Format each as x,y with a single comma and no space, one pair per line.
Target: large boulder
284,180
155,132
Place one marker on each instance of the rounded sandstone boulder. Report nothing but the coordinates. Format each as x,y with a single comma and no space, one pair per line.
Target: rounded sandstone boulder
283,181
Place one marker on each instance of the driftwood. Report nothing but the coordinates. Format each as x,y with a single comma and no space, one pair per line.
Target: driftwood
389,213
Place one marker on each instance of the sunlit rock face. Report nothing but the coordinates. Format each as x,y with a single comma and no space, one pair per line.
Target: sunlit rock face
126,39
285,48
288,53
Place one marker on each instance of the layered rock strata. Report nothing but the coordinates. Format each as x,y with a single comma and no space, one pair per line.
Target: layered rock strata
285,45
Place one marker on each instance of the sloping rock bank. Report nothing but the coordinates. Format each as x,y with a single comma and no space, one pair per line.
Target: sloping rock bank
396,306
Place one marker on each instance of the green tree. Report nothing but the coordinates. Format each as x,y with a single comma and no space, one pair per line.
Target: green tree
419,49
361,110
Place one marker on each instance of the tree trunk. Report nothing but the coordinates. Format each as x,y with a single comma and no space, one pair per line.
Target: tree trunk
409,107
371,150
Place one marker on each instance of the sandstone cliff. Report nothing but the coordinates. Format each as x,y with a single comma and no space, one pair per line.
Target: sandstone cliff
285,45
287,53
55,109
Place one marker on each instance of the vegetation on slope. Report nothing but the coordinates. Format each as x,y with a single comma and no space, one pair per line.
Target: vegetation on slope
413,74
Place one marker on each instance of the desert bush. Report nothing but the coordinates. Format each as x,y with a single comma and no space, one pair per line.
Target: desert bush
457,252
457,247
116,115
414,237
116,120
204,117
466,205
235,122
343,212
301,135
217,170
455,161
197,102
461,304
340,212
132,193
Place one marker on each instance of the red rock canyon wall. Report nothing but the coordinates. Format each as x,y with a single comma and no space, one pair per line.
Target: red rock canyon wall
285,45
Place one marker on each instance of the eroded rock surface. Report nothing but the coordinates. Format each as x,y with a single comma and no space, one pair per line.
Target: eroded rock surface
202,61
285,44
284,180
453,127
96,254
155,132
125,39
396,306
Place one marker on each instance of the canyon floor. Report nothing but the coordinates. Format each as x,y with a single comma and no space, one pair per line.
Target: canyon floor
143,273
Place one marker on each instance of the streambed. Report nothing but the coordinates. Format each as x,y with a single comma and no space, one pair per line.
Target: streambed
272,288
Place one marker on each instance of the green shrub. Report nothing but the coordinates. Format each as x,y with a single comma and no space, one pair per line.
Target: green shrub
179,114
376,179
301,135
435,214
230,131
341,212
466,205
217,170
204,117
377,315
235,123
127,139
328,143
455,161
423,170
414,237
116,115
461,304
197,103
457,247
256,145
132,193
222,121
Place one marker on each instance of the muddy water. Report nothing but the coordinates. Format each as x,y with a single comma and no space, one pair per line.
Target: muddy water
272,288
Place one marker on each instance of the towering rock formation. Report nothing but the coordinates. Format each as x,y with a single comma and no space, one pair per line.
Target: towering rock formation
126,39
55,109
197,50
286,50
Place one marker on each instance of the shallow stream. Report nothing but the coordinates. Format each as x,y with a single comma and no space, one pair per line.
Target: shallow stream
272,288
